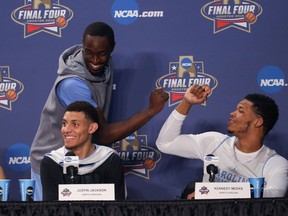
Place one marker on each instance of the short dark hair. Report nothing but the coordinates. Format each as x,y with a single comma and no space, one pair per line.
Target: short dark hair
83,106
189,188
100,29
265,107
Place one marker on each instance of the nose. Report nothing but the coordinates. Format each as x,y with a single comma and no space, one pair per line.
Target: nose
95,59
232,113
66,129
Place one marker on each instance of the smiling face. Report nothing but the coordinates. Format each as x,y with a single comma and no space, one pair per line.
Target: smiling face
243,119
77,130
97,50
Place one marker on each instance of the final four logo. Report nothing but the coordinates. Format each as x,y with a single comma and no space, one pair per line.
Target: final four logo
9,88
239,14
138,158
182,75
42,16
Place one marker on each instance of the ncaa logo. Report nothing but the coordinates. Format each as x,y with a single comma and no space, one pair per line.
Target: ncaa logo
186,63
17,157
125,12
271,79
29,190
130,138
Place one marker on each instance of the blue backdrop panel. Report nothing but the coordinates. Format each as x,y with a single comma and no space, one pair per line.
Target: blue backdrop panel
238,47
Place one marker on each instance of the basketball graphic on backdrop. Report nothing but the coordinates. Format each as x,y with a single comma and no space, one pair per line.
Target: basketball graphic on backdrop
11,95
61,21
250,17
149,164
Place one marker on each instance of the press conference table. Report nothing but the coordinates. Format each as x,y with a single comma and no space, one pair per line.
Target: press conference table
239,207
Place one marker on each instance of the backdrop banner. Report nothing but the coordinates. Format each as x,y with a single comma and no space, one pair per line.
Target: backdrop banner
236,47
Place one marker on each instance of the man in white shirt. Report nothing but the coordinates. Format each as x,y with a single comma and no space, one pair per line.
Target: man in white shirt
242,155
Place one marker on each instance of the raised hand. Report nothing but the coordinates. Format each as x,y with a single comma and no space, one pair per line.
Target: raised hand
158,98
197,94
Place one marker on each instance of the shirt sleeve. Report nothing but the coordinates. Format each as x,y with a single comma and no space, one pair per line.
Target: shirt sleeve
74,89
194,146
276,177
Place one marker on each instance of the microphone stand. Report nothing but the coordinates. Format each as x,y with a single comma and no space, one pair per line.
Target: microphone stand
71,171
212,170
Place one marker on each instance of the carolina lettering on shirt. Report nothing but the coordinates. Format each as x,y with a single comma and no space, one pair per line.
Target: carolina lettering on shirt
225,176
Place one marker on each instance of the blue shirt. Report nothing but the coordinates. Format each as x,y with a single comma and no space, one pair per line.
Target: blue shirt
74,89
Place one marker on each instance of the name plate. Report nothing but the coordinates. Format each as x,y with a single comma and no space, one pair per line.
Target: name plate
222,190
69,192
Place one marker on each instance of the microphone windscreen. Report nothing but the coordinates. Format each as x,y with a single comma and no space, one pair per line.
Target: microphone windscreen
70,160
70,153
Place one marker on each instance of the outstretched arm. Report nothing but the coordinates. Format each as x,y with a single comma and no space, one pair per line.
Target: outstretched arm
170,139
109,133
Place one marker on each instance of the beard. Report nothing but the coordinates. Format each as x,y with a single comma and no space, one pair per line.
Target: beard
241,130
230,131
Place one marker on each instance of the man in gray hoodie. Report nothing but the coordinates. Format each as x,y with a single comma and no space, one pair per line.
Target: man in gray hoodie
85,73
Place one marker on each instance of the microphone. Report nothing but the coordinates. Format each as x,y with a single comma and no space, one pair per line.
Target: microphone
211,166
71,165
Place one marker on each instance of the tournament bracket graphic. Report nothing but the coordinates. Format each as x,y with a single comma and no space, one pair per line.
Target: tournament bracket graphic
138,158
232,13
42,16
182,75
10,88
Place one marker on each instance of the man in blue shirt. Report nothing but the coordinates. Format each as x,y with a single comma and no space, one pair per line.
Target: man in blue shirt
85,73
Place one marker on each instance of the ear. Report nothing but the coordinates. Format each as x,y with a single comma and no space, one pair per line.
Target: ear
259,122
93,127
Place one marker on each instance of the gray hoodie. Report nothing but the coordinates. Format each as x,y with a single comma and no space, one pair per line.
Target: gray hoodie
71,64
